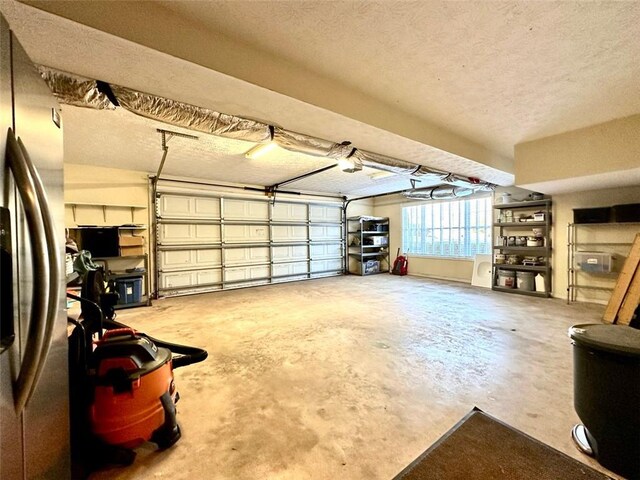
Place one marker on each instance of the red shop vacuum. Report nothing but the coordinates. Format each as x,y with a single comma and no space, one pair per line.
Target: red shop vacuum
122,390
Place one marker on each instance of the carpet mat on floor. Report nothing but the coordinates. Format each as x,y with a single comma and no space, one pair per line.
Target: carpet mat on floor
479,447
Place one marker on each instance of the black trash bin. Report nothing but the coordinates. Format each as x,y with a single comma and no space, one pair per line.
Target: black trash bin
606,374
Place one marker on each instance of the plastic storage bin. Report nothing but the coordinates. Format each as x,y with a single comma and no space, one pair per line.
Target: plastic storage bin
130,290
595,262
606,393
376,241
371,266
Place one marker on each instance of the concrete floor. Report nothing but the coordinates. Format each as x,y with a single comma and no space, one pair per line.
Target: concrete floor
352,378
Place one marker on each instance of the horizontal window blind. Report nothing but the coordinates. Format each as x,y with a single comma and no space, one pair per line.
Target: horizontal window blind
458,228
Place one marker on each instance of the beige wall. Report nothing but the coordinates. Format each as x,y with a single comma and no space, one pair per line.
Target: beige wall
595,152
460,270
90,188
103,196
563,206
360,207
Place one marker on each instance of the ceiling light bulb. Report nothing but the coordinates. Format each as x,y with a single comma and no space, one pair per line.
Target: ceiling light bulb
260,150
348,165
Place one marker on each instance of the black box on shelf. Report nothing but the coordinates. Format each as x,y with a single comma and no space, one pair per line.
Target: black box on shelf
629,212
101,242
592,215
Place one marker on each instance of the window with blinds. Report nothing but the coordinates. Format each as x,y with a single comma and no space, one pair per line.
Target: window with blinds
458,228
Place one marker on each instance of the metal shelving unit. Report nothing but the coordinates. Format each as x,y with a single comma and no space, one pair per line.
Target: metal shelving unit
123,259
500,228
368,245
576,276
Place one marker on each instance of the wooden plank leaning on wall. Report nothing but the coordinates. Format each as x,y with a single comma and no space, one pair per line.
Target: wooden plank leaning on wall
626,294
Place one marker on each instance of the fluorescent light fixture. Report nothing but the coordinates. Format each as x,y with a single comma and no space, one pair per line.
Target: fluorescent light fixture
260,150
348,165
380,174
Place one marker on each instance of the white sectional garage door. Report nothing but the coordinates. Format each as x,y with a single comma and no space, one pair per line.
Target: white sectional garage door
213,242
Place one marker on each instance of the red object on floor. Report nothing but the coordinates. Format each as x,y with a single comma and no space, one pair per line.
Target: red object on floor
400,265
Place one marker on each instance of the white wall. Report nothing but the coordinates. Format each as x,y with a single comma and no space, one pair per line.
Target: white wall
361,207
86,185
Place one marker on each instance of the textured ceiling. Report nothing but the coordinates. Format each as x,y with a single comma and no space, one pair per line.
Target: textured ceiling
125,141
499,73
120,139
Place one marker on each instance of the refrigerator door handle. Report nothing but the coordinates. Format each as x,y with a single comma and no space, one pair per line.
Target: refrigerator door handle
36,337
55,261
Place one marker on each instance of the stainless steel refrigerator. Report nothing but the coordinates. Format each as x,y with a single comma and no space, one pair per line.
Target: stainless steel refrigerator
34,416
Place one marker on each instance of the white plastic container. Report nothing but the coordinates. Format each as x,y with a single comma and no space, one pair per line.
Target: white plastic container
534,242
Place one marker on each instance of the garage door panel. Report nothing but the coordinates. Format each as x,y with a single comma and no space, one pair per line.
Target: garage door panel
291,278
325,232
190,279
289,233
323,265
289,212
246,233
246,256
294,268
172,205
323,213
208,257
182,206
208,276
207,207
250,283
332,250
236,274
237,209
175,259
176,280
289,252
189,259
184,233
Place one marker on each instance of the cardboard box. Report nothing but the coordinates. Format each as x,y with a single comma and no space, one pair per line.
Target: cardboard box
130,240
128,251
